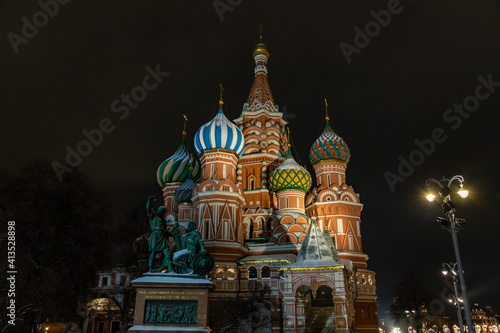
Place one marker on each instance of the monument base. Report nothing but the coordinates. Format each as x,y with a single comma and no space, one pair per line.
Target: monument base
144,329
169,302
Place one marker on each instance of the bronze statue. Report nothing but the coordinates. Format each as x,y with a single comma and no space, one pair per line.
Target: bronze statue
177,236
190,245
189,254
158,241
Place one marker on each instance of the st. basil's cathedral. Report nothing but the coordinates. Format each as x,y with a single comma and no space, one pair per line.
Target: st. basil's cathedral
261,220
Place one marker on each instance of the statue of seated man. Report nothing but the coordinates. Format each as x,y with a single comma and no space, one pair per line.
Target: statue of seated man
158,241
190,245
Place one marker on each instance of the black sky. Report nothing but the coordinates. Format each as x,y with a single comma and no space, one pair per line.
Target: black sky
395,91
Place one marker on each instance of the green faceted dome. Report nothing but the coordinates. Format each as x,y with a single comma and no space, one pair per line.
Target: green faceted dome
290,176
175,169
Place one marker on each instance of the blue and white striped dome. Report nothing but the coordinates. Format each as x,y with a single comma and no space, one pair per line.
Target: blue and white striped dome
219,133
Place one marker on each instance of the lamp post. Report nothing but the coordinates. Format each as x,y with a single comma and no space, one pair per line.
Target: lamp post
453,224
451,269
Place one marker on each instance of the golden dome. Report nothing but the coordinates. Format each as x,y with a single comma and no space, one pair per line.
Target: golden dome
260,48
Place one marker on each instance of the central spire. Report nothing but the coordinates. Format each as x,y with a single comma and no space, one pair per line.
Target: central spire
260,96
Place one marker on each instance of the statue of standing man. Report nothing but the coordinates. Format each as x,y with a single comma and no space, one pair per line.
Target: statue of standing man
158,241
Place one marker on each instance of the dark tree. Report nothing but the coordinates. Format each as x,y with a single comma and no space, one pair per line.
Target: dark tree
253,314
412,300
61,241
126,234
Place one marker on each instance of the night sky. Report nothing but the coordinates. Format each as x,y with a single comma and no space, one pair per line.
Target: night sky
396,88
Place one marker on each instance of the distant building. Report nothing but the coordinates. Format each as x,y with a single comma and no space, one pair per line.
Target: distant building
484,320
112,304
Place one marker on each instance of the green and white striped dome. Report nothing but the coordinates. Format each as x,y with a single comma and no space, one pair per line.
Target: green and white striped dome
175,169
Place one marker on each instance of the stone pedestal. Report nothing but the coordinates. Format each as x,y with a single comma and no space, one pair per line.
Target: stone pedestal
171,303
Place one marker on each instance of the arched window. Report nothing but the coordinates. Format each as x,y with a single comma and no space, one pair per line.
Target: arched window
230,274
248,226
251,184
286,202
260,223
212,171
252,273
226,230
266,272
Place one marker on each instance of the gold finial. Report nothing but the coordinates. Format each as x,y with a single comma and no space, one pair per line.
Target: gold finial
288,139
260,48
184,130
220,97
327,119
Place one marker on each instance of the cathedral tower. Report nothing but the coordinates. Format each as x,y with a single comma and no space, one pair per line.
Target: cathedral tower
339,213
290,181
218,198
263,128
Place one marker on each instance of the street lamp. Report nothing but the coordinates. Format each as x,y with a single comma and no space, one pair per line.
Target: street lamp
450,269
452,224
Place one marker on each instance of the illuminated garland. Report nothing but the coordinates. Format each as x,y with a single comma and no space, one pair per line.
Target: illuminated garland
263,261
311,268
224,266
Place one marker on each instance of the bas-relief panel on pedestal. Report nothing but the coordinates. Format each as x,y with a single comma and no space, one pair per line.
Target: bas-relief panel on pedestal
170,312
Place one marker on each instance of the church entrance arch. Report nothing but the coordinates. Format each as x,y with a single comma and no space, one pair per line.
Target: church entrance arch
323,297
304,295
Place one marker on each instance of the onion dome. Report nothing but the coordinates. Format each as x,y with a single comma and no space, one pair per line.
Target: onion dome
290,176
329,146
184,193
175,169
219,133
260,48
